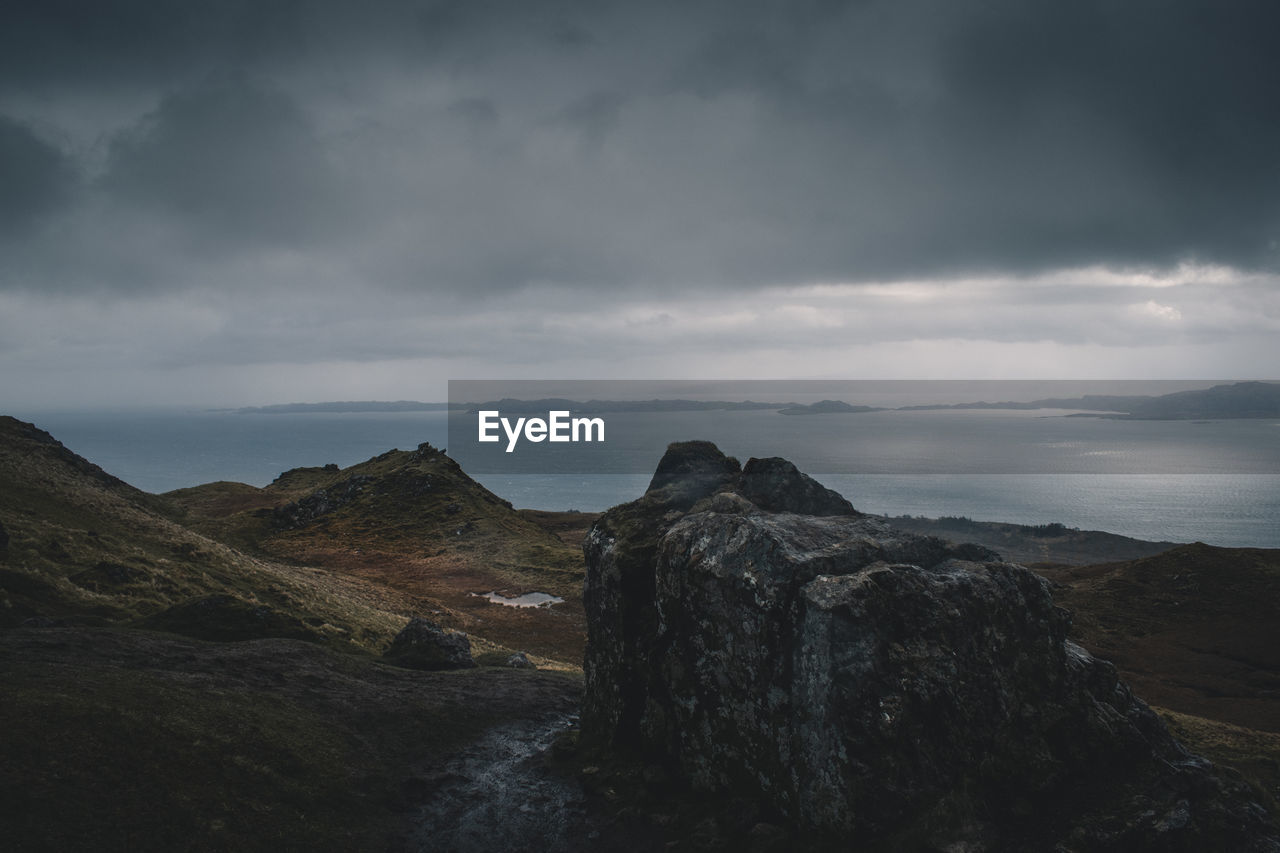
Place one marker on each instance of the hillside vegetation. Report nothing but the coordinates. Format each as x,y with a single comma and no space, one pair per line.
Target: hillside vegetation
202,670
1195,631
415,524
178,676
88,549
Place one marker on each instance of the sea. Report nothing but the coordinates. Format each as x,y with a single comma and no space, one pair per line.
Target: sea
1180,481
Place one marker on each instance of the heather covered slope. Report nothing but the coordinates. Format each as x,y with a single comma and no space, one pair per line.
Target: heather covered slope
415,523
87,548
1195,629
269,724
340,556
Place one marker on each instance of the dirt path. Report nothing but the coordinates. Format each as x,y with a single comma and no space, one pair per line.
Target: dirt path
499,795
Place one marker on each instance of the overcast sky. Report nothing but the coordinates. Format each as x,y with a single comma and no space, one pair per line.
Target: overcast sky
240,203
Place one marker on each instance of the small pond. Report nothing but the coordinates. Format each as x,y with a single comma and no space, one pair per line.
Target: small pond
529,599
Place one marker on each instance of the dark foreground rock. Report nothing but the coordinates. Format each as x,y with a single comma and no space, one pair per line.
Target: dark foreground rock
422,644
867,685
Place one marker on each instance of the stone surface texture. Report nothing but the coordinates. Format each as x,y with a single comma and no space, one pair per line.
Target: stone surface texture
755,636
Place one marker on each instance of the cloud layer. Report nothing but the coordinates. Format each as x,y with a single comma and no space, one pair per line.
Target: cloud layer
271,183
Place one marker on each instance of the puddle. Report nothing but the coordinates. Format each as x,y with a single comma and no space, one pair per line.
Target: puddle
529,599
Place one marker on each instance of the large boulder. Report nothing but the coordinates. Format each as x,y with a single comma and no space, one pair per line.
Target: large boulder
756,640
422,644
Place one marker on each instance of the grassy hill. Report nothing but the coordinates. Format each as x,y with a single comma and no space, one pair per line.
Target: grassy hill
412,522
1195,631
86,548
165,690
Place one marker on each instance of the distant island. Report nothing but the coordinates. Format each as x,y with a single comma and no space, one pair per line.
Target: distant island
829,407
597,407
1237,400
348,406
1089,402
515,406
1240,400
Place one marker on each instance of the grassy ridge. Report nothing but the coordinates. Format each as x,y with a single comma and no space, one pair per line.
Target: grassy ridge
412,522
116,734
338,556
87,547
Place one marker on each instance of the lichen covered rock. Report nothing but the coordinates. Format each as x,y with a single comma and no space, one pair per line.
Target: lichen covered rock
754,636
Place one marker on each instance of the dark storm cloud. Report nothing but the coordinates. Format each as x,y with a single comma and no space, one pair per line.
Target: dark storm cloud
236,161
64,43
36,178
485,146
1168,110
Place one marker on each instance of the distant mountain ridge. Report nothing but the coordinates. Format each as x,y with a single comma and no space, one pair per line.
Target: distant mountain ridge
1249,399
829,407
1240,400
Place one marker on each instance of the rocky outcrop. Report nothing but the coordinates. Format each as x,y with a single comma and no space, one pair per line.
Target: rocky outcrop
422,644
319,503
774,484
754,636
520,660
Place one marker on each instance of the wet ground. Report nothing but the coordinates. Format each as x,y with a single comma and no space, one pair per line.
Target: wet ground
500,795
